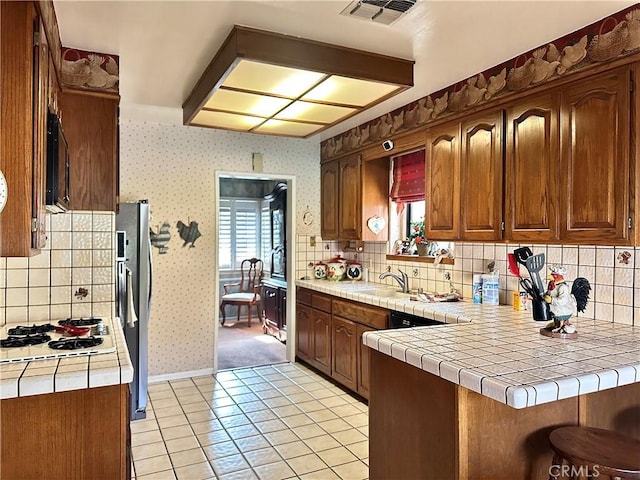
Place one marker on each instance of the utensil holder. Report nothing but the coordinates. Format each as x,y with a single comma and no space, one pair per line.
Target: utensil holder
541,311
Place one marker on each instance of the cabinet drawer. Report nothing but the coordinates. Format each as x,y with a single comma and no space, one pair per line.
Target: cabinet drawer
372,316
313,299
303,296
321,302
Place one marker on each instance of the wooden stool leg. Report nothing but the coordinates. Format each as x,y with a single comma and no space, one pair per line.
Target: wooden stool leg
555,468
249,315
222,310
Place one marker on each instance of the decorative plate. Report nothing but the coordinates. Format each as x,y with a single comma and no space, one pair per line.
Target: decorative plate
376,224
4,191
307,217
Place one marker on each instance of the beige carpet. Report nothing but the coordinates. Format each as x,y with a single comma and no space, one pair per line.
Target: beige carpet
241,346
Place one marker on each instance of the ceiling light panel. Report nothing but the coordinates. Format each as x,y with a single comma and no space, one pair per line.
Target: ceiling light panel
314,112
274,79
292,129
349,91
229,121
247,103
275,84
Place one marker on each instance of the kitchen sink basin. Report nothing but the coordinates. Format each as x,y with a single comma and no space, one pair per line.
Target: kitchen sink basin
384,292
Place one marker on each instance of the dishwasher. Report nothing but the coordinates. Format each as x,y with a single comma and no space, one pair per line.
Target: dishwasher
407,320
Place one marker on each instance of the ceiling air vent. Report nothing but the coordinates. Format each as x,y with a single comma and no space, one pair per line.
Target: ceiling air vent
380,11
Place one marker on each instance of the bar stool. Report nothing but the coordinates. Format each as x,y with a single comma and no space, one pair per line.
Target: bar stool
589,450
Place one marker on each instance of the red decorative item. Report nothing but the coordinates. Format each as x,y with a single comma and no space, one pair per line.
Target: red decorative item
90,70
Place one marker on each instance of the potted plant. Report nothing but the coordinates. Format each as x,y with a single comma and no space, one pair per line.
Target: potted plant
418,241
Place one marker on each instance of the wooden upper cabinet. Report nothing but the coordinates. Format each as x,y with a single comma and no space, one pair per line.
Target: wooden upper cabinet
532,169
350,216
595,118
329,189
442,211
481,177
352,192
23,68
90,124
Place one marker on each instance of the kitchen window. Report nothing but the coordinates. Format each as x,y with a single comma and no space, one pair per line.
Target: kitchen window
240,231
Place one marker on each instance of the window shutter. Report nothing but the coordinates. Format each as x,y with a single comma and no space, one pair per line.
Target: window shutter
225,247
247,230
408,178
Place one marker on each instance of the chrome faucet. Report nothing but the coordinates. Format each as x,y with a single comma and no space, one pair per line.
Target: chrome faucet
403,280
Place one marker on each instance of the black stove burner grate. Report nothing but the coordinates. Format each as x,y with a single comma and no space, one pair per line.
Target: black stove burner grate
80,322
33,329
12,342
75,343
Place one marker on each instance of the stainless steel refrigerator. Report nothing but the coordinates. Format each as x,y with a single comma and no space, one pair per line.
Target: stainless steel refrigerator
133,295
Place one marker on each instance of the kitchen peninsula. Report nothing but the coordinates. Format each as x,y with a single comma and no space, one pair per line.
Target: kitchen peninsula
477,397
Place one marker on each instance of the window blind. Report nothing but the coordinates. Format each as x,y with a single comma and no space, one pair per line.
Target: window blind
408,178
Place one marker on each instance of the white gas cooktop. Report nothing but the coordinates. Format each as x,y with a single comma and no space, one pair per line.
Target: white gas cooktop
65,338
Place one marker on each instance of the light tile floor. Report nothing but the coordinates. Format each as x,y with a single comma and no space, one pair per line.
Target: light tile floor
273,422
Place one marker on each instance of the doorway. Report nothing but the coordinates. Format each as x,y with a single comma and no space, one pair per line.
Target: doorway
251,222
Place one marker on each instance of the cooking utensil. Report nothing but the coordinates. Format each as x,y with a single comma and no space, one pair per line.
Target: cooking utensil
71,330
522,254
534,265
525,283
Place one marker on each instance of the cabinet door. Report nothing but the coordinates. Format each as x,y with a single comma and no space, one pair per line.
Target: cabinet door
304,332
270,303
90,124
442,182
595,179
330,199
350,217
19,143
282,300
345,353
362,361
40,110
531,169
322,341
481,177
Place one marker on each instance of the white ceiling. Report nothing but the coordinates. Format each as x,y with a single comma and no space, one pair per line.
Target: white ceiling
164,46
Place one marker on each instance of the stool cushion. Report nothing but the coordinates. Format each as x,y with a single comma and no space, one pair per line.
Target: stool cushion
609,450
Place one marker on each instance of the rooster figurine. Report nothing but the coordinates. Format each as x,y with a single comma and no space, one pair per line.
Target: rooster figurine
563,301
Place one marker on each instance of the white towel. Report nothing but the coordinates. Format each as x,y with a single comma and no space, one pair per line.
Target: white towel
131,311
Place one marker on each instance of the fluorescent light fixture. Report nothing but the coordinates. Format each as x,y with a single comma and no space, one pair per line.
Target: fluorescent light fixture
274,84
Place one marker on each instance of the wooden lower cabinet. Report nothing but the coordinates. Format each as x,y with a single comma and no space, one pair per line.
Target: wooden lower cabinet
304,332
78,434
363,361
329,336
344,360
322,341
313,337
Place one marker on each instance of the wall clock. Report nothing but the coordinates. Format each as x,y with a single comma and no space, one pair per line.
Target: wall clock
4,191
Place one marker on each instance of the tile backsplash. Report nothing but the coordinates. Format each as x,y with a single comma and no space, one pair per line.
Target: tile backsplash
615,294
73,276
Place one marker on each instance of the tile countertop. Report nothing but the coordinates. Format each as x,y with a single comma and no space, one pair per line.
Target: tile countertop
499,352
22,379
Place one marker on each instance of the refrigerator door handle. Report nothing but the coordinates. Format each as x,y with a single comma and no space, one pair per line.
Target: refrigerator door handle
131,317
150,281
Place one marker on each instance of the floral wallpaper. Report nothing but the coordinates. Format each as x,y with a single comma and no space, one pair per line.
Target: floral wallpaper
174,168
